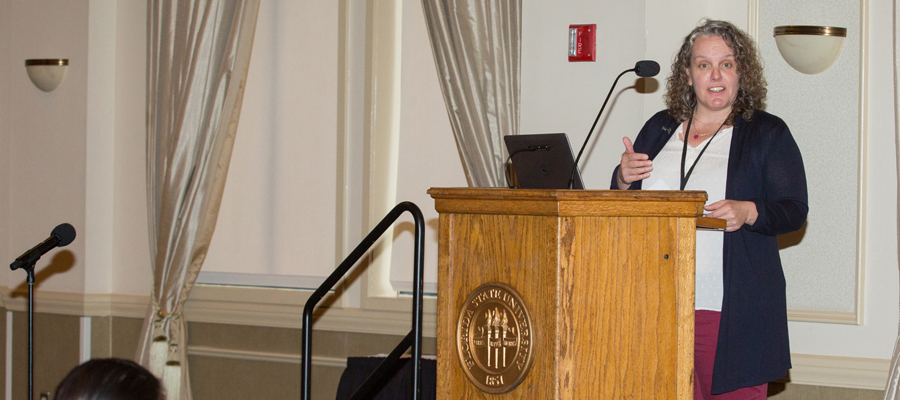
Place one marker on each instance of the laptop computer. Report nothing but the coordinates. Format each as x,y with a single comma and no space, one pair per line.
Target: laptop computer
542,161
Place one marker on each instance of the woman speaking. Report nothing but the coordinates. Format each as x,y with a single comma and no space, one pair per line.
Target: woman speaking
715,137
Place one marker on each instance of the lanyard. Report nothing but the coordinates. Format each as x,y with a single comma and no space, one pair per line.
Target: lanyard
687,131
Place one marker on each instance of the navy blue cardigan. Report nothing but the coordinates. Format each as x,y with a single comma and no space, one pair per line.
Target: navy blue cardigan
765,167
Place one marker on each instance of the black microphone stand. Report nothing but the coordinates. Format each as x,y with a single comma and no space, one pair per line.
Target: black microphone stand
643,69
591,132
29,269
61,236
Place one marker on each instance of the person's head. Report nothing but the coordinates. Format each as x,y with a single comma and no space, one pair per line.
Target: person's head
717,68
109,379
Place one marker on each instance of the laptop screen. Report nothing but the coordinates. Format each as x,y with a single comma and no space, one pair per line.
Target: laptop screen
542,161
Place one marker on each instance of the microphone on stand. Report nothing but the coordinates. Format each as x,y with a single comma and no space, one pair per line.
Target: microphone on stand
643,69
61,236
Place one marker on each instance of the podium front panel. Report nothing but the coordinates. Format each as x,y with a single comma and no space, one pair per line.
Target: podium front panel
507,249
618,314
610,296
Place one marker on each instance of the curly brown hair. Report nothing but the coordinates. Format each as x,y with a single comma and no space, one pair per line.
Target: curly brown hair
680,97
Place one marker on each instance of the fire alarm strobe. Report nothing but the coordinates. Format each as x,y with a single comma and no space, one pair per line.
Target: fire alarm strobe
581,42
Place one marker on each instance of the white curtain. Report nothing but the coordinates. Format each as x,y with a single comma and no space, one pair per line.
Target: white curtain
198,54
476,45
893,383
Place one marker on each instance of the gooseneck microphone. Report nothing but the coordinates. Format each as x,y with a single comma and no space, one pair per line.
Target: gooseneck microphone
643,69
61,236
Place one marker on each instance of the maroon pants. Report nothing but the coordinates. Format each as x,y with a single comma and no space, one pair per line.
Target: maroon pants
706,335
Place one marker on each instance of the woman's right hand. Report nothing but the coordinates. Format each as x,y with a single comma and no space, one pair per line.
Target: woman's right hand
634,166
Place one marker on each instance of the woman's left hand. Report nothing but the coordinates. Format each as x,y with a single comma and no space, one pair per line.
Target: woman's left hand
735,213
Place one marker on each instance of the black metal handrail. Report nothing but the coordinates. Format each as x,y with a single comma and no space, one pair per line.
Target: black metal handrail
414,335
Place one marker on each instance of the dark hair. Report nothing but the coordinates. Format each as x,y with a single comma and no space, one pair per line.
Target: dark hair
680,97
109,379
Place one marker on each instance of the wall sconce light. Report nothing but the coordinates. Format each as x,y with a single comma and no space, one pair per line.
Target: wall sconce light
810,49
47,74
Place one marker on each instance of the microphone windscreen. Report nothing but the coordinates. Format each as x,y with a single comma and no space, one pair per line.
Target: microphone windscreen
646,68
65,232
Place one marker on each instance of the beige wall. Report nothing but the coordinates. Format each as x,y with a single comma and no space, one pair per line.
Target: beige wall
46,131
559,96
58,148
130,273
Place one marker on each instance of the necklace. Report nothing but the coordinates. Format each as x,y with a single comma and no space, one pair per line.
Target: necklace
700,135
697,136
685,177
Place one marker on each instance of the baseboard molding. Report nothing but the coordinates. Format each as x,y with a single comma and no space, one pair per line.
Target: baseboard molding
829,317
236,305
202,351
843,372
283,308
79,304
277,307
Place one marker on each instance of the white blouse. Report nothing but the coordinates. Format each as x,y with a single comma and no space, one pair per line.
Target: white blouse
709,175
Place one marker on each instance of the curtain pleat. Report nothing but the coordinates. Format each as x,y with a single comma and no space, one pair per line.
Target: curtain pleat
893,384
198,55
476,45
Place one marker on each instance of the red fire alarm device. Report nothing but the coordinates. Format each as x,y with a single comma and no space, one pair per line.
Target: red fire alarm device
581,42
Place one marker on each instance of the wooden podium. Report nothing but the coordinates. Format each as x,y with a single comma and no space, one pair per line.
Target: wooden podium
605,279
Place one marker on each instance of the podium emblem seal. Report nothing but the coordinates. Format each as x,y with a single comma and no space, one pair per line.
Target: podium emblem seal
494,339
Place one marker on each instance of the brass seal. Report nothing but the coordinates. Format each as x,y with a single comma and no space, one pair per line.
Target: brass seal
494,338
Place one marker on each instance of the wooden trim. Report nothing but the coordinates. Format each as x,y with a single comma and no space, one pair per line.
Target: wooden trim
203,351
862,181
267,307
253,306
843,372
685,286
273,307
568,202
711,223
283,308
567,195
85,305
831,317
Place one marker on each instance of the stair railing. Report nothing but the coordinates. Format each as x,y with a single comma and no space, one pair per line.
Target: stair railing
413,338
